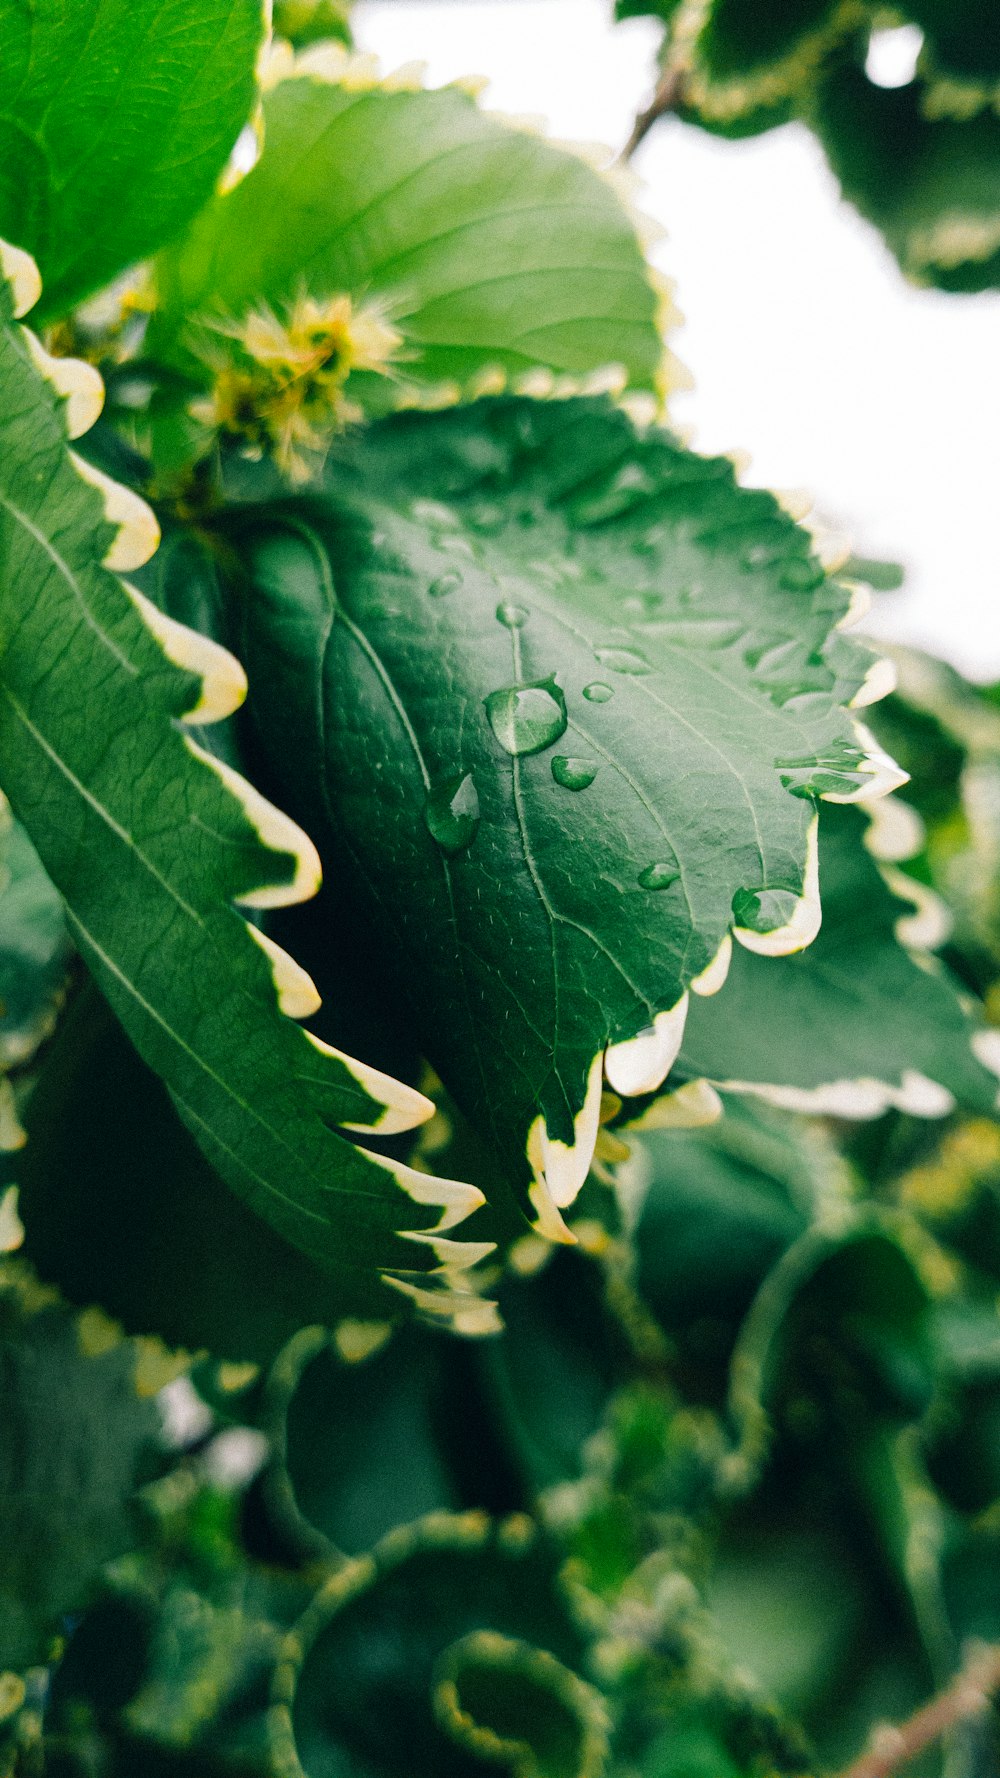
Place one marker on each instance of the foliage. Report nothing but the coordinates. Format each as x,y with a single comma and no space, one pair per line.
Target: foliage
600,1379
920,160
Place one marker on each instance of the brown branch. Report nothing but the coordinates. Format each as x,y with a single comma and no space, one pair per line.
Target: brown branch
966,1697
665,99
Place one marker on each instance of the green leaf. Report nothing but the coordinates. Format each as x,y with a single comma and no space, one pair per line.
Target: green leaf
447,1652
492,250
108,1179
118,115
355,1438
750,62
864,1019
556,697
74,1436
313,21
962,37
34,947
930,184
151,841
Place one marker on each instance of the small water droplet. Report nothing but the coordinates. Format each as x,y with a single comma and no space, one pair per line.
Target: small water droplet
454,544
658,876
451,812
431,512
800,574
573,774
764,910
512,616
444,584
487,517
597,692
623,660
527,718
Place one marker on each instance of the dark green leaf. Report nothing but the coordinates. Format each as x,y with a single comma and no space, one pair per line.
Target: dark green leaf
555,697
34,947
151,841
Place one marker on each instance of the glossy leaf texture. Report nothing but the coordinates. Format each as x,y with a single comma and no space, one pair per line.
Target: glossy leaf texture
152,842
492,251
556,697
34,947
76,1438
865,1018
118,116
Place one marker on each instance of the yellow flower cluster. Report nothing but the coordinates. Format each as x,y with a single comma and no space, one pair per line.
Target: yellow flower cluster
280,386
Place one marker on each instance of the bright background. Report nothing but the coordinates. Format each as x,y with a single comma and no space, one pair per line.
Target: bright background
807,348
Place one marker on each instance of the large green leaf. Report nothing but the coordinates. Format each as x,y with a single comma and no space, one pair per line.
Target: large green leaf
494,250
117,116
151,841
74,1434
861,1020
557,698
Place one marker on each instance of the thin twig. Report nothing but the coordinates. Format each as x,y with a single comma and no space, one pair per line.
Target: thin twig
666,98
966,1697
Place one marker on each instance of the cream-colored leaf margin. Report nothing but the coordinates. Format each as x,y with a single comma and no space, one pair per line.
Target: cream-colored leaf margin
332,64
442,1292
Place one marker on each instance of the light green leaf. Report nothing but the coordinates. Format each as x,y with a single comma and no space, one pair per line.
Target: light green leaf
932,185
312,21
151,842
74,1434
34,947
447,1652
864,1019
556,697
492,250
117,117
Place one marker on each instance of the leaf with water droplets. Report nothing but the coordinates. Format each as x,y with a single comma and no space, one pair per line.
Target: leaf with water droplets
856,1023
572,922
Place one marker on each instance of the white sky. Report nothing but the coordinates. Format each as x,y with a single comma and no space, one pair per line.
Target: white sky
807,348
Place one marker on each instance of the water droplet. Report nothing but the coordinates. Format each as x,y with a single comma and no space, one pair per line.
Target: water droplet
623,660
597,692
527,718
764,910
573,774
659,876
800,574
512,616
451,812
454,544
444,584
431,512
835,770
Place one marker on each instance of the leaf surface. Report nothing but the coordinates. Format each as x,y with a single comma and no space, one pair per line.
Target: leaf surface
556,698
117,116
34,947
493,249
151,842
860,1021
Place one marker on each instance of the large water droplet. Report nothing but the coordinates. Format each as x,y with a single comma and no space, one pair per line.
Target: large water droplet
764,910
573,774
623,660
512,616
444,584
452,812
658,876
801,573
527,718
836,770
597,692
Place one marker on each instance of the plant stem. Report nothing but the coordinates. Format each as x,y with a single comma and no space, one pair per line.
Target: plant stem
664,99
966,1697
